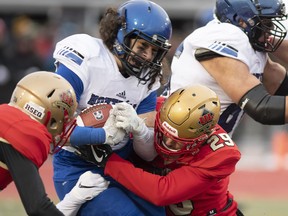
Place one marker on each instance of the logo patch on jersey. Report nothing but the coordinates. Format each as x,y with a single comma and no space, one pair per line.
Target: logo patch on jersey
223,48
71,54
34,110
122,95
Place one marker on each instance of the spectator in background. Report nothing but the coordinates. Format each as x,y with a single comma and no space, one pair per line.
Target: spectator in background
22,57
6,87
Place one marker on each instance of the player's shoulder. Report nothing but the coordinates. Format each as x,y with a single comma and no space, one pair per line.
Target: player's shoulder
83,44
219,149
218,37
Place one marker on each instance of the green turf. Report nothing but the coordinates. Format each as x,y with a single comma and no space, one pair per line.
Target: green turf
264,207
250,207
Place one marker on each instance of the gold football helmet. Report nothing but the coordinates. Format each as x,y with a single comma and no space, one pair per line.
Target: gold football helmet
49,99
186,118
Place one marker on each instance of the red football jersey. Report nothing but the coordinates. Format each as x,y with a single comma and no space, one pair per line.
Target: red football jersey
26,135
195,185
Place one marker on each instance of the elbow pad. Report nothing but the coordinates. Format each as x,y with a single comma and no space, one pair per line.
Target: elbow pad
263,107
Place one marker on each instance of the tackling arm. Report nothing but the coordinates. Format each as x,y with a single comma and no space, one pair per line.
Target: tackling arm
178,185
29,183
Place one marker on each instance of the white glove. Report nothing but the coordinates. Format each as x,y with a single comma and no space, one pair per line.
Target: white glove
88,186
114,135
127,118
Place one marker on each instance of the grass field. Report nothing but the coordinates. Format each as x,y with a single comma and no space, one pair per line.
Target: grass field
259,193
249,206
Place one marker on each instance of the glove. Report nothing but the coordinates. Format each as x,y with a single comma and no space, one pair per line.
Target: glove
127,118
96,154
114,135
88,186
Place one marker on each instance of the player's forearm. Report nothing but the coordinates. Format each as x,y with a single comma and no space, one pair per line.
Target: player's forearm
87,135
159,190
143,144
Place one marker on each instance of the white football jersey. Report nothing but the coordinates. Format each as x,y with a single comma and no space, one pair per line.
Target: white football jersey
225,39
94,64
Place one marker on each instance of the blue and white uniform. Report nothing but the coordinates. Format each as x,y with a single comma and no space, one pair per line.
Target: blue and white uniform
226,40
92,71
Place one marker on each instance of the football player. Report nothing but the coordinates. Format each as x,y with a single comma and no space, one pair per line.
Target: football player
124,65
190,175
41,111
230,55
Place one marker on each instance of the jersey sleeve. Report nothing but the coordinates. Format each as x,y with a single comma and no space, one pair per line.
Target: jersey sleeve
148,104
74,52
230,41
216,161
178,185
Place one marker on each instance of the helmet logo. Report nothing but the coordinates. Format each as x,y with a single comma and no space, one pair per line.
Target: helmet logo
66,101
154,38
251,22
34,110
206,117
170,129
67,98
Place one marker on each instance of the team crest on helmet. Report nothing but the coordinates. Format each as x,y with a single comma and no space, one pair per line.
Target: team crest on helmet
206,117
66,101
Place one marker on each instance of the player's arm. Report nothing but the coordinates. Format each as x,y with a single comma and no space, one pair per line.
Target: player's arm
178,185
140,125
247,91
275,78
28,182
281,53
83,135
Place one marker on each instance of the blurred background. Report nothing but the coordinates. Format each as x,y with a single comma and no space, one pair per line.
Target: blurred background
29,31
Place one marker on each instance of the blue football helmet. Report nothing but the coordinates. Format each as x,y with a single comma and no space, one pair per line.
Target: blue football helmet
262,20
143,20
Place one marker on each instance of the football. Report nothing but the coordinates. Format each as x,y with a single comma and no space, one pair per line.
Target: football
94,116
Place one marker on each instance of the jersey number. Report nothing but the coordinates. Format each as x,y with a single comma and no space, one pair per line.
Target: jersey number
183,208
219,141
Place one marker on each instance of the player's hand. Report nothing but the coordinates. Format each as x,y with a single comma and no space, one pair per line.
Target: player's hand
96,154
114,135
88,186
127,118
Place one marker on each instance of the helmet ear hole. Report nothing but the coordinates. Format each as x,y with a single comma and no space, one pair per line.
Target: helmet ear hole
51,93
